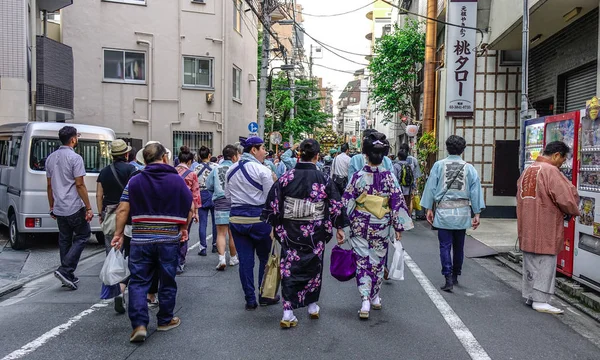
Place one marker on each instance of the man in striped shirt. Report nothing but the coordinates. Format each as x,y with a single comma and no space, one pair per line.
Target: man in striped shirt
160,205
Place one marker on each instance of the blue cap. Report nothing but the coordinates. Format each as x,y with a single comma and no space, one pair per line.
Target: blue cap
252,141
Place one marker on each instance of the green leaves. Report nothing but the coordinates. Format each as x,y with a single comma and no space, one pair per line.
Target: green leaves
394,70
308,116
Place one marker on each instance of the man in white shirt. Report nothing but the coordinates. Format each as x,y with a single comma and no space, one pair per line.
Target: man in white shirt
248,185
339,168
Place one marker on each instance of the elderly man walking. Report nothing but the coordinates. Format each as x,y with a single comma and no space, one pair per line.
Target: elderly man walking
69,204
160,205
544,197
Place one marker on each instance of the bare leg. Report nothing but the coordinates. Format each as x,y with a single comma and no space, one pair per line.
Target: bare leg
232,251
221,238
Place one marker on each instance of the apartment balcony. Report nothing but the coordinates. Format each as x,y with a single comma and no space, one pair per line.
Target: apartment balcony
54,80
53,5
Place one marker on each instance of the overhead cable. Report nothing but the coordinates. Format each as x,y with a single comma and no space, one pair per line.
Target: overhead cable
340,14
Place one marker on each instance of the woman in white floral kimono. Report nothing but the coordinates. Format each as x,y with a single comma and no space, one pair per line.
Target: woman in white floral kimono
303,207
378,214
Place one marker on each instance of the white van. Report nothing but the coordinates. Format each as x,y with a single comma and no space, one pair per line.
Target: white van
24,148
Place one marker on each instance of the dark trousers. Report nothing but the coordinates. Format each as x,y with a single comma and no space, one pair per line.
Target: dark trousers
183,247
451,241
145,261
73,233
248,239
203,224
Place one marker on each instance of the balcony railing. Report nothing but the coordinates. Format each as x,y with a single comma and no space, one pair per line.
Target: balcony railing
54,74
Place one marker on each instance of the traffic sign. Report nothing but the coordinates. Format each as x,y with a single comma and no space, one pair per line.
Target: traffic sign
253,127
276,138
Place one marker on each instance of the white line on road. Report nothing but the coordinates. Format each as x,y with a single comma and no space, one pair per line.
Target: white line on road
464,335
40,341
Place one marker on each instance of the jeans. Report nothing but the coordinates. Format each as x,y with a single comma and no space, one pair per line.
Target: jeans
203,224
183,247
451,240
249,238
145,262
73,233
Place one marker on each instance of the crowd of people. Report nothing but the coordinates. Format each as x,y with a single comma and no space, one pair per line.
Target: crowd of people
301,197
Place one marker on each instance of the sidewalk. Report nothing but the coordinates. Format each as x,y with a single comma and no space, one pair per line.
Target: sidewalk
499,234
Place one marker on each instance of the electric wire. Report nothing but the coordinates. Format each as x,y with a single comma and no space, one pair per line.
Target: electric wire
317,41
267,28
248,27
339,14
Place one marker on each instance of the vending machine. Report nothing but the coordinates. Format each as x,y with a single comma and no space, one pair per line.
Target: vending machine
532,142
565,128
586,260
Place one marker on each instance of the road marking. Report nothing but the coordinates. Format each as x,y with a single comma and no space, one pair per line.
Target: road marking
198,243
43,339
40,341
464,335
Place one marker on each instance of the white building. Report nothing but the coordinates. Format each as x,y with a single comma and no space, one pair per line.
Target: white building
180,72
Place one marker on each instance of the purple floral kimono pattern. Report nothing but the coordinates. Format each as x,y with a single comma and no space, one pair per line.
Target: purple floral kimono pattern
369,235
303,241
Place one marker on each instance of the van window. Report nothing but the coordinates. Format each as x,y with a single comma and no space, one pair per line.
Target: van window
95,153
15,147
4,146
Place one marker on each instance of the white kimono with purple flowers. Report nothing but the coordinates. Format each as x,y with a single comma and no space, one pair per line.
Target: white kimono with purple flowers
303,207
369,235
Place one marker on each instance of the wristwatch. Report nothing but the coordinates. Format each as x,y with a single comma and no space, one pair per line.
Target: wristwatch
88,209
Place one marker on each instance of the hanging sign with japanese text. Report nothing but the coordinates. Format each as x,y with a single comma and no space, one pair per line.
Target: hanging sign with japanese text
460,59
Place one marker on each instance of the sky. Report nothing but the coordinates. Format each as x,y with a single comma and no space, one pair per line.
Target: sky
345,32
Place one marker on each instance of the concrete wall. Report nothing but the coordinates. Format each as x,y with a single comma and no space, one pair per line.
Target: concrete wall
503,19
179,29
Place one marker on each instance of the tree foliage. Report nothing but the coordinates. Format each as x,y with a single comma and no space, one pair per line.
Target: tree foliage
308,117
398,57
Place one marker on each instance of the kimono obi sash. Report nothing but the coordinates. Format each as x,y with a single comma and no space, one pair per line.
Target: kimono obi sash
303,209
374,204
453,204
245,214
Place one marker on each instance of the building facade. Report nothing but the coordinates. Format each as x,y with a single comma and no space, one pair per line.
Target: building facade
180,73
31,52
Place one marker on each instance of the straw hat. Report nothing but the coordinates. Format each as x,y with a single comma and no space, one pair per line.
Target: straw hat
169,154
139,157
119,147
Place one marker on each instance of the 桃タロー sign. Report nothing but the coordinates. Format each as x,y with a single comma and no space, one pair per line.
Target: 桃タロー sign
461,44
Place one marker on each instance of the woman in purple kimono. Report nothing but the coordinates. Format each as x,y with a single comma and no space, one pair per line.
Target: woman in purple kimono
378,215
303,207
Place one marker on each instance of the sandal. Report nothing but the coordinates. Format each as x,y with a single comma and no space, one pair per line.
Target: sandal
286,324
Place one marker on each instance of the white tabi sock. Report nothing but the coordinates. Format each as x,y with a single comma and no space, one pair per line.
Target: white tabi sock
376,300
313,308
288,315
366,306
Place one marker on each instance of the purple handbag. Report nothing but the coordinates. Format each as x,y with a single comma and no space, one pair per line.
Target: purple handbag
343,264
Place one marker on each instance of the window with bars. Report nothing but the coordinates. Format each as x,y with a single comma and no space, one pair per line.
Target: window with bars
194,140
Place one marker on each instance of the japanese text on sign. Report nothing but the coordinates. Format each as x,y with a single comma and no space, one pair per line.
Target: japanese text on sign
461,42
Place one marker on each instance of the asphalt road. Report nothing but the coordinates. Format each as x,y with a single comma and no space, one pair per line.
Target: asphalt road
484,318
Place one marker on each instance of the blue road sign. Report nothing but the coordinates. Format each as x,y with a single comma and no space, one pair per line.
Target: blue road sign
253,127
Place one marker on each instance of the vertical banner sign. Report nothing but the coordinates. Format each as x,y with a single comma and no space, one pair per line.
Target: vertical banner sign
460,59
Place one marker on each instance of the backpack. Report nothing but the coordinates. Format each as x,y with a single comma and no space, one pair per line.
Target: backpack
404,174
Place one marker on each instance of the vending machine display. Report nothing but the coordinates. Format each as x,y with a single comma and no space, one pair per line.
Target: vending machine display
564,128
533,141
586,259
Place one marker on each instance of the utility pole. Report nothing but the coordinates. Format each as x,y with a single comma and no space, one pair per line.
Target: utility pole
264,67
429,77
524,72
293,72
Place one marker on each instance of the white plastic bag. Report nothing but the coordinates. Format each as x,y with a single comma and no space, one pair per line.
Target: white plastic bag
115,268
397,268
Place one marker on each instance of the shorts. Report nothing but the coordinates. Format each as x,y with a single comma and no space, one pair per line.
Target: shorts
221,217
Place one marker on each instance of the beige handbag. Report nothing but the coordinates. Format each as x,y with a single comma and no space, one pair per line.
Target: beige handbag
272,277
109,222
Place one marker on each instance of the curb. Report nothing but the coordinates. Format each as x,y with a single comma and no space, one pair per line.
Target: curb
558,292
5,290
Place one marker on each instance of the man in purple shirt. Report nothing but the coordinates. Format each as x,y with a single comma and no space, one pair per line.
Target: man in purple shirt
69,204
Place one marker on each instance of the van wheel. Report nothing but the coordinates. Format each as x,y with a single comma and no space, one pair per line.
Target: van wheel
17,240
99,237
